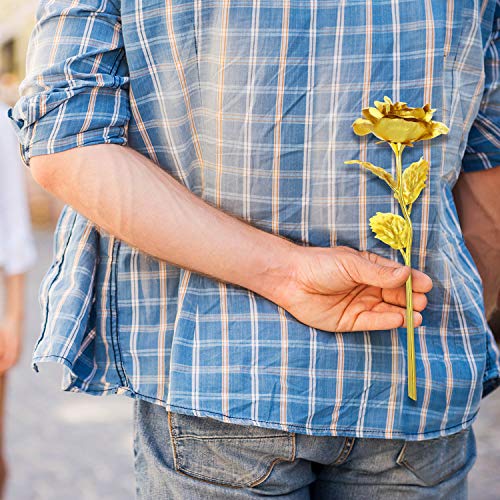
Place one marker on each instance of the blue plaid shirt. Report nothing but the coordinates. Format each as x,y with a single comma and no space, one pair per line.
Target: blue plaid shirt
250,105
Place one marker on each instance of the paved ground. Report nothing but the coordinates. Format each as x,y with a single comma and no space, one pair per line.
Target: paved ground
64,446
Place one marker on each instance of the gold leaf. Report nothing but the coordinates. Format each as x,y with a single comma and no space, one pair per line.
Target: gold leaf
414,178
378,171
391,229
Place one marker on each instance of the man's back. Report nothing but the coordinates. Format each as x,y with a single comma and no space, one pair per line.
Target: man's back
249,104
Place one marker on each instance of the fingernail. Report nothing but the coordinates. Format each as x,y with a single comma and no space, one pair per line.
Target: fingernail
423,320
398,271
417,317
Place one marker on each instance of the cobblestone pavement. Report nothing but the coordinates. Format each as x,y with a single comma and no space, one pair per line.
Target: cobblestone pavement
63,446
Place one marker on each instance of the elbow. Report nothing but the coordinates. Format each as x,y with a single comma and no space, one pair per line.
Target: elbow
44,172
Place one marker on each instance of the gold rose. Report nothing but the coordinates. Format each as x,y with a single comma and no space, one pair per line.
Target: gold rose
400,126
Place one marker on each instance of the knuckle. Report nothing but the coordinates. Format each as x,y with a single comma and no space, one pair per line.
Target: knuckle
349,269
369,256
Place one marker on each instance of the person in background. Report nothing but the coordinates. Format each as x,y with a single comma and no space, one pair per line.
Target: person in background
17,255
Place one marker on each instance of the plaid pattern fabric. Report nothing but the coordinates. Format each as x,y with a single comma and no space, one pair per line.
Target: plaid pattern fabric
250,105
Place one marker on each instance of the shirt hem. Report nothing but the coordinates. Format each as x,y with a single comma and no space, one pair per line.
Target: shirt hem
326,430
78,385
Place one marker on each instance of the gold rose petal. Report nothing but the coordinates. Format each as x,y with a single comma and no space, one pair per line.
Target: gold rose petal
417,113
391,229
372,114
398,106
399,130
439,128
378,171
413,180
362,126
434,129
428,112
412,114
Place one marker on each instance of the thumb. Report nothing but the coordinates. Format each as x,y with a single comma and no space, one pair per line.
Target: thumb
369,273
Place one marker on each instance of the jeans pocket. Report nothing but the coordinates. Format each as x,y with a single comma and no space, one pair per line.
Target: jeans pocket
436,460
227,454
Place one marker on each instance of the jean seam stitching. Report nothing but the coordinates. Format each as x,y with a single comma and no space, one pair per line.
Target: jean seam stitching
345,451
274,462
172,441
339,456
228,438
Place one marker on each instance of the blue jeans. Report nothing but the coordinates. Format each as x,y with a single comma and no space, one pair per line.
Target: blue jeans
183,457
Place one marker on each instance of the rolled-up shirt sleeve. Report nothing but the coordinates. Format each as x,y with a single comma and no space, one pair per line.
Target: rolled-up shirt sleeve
483,146
76,89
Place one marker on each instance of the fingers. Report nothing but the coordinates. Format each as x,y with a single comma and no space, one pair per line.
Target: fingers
420,281
385,319
389,308
4,365
397,296
364,271
6,362
8,358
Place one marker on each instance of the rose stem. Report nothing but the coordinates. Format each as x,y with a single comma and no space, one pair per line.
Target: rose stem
410,334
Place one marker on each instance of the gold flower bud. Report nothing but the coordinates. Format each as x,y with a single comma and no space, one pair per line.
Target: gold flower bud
398,123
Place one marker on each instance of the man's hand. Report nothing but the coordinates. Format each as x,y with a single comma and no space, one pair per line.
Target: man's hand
10,343
340,289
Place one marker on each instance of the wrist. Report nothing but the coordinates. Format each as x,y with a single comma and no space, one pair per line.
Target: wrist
277,277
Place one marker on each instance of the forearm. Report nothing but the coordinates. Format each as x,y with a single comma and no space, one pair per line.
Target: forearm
132,198
14,303
478,204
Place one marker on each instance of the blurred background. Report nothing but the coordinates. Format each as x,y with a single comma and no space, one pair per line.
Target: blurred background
63,445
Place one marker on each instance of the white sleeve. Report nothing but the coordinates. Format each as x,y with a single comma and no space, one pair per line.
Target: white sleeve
17,249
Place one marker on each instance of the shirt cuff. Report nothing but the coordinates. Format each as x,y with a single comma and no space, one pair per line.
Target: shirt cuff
50,123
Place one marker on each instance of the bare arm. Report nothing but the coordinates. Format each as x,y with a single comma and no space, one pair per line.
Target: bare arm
12,321
129,196
477,196
14,304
